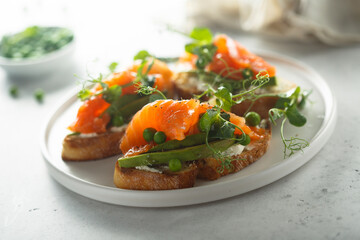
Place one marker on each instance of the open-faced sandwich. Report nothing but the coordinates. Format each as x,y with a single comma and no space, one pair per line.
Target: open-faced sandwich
224,126
222,61
169,143
108,107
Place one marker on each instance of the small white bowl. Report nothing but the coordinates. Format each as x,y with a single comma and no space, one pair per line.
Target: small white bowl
30,68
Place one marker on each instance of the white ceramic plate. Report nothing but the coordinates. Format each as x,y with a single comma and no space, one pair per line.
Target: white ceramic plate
94,179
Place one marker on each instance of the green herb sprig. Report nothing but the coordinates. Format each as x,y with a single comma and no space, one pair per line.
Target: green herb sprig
113,95
225,99
143,55
202,47
288,109
215,123
146,86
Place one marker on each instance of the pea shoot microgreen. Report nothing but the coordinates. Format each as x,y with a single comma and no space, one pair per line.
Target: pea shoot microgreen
287,107
146,86
215,123
233,86
118,111
143,55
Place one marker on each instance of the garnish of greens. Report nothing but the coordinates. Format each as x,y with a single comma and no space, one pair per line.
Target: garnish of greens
143,54
34,42
146,82
202,46
121,106
287,108
214,124
221,88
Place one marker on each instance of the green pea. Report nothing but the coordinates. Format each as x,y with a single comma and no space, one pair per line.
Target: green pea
175,165
159,137
252,119
244,141
117,121
39,95
148,134
14,92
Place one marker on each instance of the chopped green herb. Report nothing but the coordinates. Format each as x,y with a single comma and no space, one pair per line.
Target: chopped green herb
34,42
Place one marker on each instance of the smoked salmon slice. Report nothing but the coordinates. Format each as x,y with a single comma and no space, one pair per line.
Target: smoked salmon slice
91,116
177,119
230,59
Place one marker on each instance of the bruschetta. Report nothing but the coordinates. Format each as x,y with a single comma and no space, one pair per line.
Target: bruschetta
233,66
102,118
169,144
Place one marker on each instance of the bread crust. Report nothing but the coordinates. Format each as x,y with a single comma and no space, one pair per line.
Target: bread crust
79,148
209,168
131,178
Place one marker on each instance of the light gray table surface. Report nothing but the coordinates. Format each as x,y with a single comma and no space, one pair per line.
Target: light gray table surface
321,200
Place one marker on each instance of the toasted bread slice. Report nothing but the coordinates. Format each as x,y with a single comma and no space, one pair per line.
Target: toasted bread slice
137,179
210,168
82,148
187,85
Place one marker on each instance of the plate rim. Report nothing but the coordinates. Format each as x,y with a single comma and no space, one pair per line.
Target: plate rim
226,189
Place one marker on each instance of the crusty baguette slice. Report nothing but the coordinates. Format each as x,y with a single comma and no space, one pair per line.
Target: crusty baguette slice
135,179
186,86
209,167
82,148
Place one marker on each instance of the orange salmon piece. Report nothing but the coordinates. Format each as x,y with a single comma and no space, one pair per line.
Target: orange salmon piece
177,119
160,70
91,117
88,118
231,57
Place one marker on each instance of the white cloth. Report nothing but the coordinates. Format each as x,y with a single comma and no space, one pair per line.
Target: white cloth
334,22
